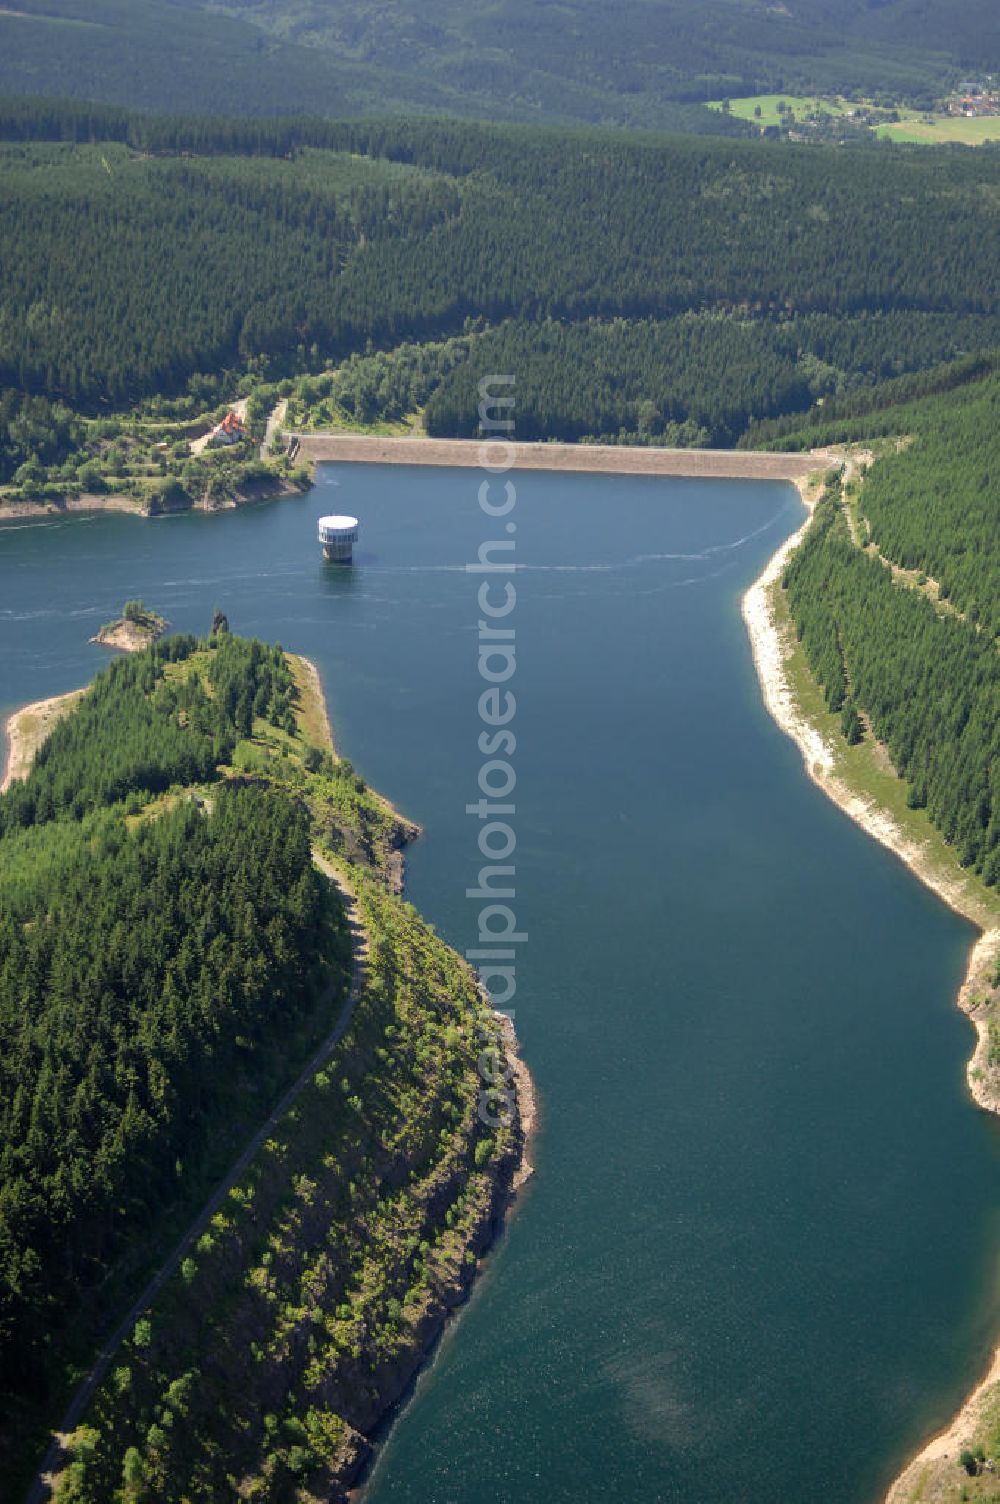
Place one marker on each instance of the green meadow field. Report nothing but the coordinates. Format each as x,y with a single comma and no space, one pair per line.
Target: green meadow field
802,105
913,126
942,130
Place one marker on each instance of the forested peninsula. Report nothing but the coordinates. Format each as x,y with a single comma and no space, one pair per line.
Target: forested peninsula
244,1096
875,635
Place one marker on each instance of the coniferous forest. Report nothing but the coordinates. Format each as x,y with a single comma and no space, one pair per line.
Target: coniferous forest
917,657
170,956
160,953
671,287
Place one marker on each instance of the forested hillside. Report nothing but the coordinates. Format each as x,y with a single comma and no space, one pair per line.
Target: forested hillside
936,507
734,281
179,56
891,407
913,658
162,961
694,379
640,63
168,55
169,957
645,51
303,1309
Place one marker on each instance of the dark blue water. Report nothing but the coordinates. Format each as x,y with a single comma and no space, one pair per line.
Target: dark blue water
760,1248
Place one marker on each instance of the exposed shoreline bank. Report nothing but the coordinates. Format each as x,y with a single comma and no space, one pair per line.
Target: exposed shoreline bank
26,728
772,643
18,511
89,502
132,634
621,459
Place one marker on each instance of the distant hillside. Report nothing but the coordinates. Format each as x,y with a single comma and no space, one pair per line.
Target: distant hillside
174,55
631,62
159,55
640,63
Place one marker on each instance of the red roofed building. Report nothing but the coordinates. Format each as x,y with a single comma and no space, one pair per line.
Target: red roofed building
230,431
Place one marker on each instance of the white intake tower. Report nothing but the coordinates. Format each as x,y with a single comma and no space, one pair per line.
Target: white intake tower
338,536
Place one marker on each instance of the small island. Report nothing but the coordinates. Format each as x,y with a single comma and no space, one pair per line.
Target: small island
138,627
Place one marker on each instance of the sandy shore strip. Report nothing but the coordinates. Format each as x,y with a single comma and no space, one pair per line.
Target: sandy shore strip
27,728
771,643
919,1475
768,652
315,713
618,459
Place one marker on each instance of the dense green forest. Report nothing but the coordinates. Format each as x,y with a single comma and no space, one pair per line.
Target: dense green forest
35,430
653,50
921,667
936,507
734,281
696,379
890,407
165,55
632,60
178,56
699,378
271,1353
169,955
643,63
159,955
143,727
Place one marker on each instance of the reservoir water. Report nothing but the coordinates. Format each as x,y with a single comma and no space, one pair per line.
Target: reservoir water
758,1261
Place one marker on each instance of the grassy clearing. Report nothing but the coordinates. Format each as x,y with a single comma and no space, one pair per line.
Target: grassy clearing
802,105
330,416
198,663
914,126
941,130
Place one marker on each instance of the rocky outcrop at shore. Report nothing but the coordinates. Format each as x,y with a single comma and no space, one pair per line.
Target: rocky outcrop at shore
132,631
400,834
